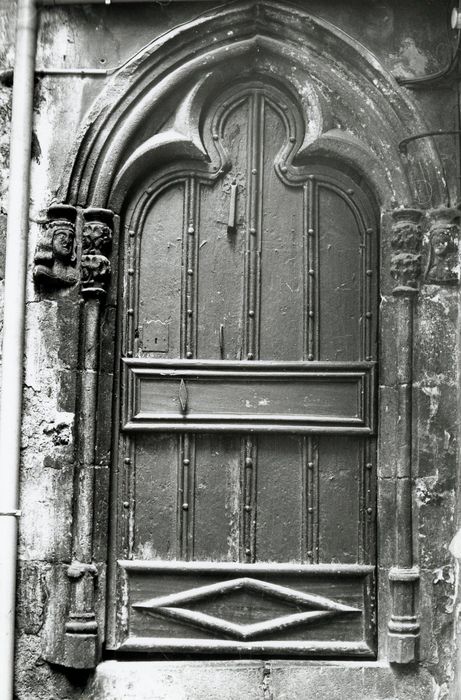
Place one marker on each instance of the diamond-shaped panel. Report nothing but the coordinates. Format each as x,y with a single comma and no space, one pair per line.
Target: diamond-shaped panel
309,608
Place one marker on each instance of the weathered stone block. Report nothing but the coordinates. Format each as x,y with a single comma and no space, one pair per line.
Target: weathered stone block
68,329
46,505
81,651
436,332
436,525
104,419
67,390
402,649
33,596
293,680
107,339
388,348
101,499
386,521
180,680
388,420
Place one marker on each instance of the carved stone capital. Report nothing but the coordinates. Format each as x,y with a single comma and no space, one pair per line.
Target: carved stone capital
406,241
55,256
444,232
96,247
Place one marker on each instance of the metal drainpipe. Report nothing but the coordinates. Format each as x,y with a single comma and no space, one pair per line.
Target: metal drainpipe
13,329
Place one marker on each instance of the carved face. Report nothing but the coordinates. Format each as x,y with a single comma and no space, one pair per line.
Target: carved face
442,240
63,241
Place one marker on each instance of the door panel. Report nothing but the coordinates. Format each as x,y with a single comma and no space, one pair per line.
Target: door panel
279,521
160,259
217,497
221,257
156,459
340,260
248,607
247,452
281,244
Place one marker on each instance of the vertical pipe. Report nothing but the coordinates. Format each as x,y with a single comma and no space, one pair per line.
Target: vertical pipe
13,328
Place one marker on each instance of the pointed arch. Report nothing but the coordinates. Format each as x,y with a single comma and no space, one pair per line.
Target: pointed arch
353,108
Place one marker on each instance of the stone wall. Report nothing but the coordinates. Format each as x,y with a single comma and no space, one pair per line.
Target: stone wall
410,37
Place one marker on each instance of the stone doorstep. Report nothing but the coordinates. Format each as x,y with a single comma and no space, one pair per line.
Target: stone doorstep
256,680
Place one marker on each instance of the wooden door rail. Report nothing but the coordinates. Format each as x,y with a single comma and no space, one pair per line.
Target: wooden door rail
302,397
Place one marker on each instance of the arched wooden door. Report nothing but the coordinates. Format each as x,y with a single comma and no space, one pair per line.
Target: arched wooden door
244,507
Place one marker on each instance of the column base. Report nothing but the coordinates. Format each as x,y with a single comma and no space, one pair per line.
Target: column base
81,650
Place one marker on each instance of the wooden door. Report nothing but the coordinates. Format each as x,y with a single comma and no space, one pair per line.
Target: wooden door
244,506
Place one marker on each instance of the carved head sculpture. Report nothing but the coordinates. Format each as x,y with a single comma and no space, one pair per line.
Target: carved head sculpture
55,256
63,240
442,241
443,238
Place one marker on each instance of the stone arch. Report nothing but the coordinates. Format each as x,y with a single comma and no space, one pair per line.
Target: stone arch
353,109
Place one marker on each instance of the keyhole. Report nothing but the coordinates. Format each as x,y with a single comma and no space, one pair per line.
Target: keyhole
155,341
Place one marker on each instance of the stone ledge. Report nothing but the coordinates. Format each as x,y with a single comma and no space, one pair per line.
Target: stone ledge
256,680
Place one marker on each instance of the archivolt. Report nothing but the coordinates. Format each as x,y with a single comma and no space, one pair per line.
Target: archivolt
353,109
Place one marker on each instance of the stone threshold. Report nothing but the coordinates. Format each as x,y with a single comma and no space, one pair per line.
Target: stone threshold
258,680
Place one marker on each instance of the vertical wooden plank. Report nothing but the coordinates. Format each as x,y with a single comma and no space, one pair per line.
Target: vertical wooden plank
155,531
280,495
159,279
282,286
221,253
340,466
217,499
340,279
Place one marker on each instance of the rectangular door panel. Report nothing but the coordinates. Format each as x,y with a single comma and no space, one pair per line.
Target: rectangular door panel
248,608
225,396
153,468
217,497
279,520
346,505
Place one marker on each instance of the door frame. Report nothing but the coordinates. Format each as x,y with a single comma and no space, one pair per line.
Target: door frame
109,160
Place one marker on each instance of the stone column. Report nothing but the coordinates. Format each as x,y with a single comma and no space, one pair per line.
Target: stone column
406,270
82,639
